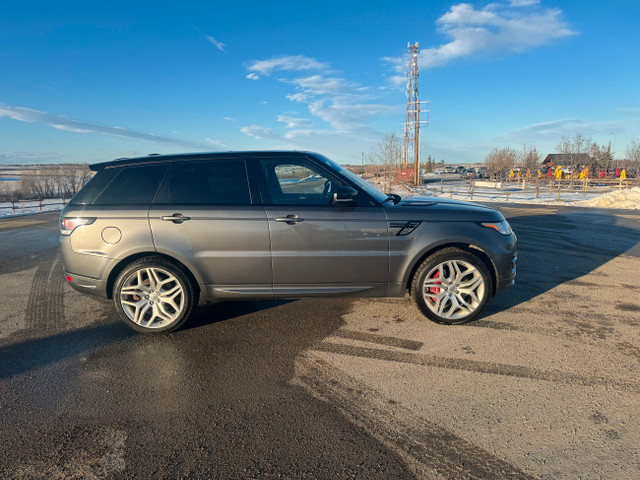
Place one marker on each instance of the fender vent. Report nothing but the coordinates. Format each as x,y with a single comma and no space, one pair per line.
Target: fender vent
405,228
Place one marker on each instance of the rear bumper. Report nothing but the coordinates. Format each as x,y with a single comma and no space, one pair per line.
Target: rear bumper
82,271
91,286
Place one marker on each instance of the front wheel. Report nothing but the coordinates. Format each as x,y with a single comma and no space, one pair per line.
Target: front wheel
154,295
451,286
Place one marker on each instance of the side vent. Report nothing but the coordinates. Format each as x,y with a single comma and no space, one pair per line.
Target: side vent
404,228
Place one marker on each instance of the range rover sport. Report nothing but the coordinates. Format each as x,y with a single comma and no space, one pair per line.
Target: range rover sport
157,233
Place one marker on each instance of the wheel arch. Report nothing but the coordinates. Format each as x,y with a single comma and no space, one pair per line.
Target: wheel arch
464,246
122,264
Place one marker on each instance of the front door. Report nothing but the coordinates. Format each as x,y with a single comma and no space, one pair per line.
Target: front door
318,247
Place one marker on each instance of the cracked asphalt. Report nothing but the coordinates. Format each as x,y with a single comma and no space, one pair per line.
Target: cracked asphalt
544,385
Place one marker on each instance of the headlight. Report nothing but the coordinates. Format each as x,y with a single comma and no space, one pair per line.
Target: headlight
503,227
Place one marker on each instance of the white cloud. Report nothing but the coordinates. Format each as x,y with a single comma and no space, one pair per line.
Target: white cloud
346,105
24,158
297,97
219,45
347,116
253,76
60,122
229,119
307,133
256,131
320,85
494,29
287,63
217,143
294,122
555,129
523,3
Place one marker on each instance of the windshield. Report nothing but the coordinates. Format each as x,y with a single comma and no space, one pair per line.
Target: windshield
377,195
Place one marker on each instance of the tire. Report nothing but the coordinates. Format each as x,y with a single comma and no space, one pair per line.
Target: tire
154,295
461,296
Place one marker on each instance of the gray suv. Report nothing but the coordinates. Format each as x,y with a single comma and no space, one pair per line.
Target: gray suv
157,233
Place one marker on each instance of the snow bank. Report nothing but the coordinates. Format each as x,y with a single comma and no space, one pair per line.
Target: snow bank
624,198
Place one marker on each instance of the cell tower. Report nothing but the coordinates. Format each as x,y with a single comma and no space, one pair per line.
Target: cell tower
411,151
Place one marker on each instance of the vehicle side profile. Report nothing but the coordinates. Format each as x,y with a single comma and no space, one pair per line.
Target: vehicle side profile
157,233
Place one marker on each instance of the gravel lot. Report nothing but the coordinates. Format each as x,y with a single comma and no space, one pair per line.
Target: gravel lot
544,385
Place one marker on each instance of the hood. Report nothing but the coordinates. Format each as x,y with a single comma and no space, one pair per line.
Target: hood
442,209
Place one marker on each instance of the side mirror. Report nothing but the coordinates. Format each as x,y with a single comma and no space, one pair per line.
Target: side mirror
344,196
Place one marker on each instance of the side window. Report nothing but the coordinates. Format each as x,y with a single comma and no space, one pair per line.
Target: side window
293,183
299,180
210,183
92,189
133,186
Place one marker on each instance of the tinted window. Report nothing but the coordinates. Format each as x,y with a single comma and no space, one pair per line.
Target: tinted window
293,183
92,189
134,186
210,183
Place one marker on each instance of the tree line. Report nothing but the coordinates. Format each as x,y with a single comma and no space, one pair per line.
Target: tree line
54,181
579,151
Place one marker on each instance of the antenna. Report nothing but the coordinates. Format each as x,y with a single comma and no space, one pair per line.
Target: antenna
411,134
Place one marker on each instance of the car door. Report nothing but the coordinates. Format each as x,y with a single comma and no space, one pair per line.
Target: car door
318,247
206,217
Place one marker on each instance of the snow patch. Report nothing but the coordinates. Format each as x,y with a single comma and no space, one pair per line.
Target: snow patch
627,198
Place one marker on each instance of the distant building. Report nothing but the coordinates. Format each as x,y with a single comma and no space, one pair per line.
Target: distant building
564,159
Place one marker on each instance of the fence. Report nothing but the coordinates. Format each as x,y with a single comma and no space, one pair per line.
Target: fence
21,206
524,189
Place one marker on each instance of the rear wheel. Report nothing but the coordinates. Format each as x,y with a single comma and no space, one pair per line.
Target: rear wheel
153,295
451,286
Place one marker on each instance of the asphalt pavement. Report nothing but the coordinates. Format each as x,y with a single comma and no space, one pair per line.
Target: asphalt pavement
542,386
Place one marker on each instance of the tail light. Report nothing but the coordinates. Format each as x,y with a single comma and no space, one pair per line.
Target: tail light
69,224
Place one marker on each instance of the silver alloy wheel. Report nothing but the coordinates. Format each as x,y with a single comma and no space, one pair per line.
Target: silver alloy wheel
152,297
453,289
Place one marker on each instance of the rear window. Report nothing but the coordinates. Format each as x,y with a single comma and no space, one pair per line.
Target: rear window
133,186
210,183
94,186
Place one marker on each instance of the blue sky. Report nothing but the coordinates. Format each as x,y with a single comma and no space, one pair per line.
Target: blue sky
83,82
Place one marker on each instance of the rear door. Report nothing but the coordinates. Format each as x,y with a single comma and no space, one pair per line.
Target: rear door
206,216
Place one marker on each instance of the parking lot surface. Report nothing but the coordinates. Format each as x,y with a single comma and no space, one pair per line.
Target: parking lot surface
544,385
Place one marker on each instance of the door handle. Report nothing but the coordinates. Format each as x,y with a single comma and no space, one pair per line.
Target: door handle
175,218
290,219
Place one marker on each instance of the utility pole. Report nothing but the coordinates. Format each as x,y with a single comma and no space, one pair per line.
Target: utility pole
411,134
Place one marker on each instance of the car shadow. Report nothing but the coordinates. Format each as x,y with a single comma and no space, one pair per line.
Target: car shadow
221,386
563,247
33,354
215,312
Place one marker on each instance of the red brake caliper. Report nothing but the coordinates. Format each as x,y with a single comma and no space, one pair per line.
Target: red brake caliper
435,290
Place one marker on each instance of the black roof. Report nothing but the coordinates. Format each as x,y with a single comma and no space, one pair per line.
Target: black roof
566,157
184,157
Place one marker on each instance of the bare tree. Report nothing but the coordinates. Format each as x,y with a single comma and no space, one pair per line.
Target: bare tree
500,160
389,156
575,148
601,156
633,156
531,160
